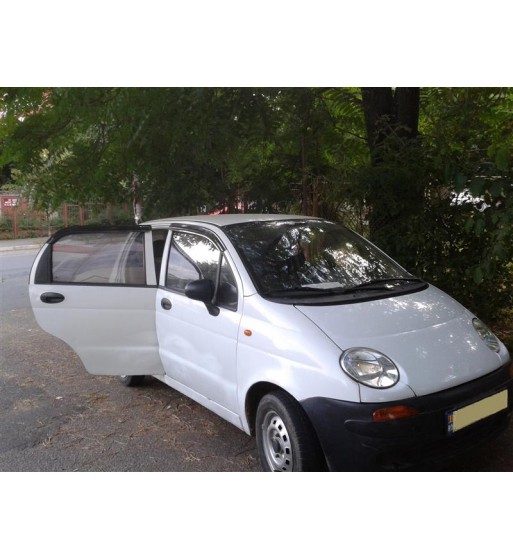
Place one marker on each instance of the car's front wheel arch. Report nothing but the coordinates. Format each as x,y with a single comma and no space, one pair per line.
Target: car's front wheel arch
261,391
286,439
253,397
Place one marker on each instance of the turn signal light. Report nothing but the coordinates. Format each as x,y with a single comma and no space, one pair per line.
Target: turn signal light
394,412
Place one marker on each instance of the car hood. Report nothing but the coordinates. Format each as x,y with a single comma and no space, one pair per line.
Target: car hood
427,334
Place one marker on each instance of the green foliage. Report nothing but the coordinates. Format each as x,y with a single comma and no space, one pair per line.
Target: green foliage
441,202
473,266
461,236
188,147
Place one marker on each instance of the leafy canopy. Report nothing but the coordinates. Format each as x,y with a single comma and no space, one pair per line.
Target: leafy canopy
427,173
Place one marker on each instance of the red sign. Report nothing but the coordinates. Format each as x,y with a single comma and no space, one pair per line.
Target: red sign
10,202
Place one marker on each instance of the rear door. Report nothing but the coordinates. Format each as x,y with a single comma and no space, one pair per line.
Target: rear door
95,289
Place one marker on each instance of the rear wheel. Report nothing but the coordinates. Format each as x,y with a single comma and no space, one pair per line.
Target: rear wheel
129,380
286,441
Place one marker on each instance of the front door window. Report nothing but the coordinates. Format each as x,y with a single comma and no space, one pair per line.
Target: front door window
193,257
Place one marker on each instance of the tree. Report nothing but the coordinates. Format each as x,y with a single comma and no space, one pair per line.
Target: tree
396,187
463,234
427,173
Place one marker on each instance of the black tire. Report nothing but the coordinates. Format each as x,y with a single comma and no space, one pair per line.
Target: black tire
129,380
286,441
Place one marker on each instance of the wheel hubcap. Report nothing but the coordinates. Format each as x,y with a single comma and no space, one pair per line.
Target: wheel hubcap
276,443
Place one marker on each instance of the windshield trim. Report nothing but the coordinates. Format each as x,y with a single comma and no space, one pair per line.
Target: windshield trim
321,298
315,294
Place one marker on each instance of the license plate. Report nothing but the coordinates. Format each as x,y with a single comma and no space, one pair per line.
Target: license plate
463,417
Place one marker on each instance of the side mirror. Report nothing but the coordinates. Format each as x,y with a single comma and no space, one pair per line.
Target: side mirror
202,290
227,295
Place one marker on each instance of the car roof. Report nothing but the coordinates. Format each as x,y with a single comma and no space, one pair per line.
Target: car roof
224,219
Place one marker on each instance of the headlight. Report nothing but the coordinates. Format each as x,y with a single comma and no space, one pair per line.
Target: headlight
369,367
486,334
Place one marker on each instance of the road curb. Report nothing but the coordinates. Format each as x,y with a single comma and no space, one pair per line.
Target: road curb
19,247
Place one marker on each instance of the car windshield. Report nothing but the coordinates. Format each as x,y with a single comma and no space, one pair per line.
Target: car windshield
312,256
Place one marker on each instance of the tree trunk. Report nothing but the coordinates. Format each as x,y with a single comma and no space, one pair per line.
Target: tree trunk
305,186
378,109
396,191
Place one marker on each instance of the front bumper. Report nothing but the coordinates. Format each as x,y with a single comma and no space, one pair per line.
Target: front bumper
353,441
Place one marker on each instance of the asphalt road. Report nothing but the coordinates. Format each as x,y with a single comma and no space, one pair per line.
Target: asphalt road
54,416
14,270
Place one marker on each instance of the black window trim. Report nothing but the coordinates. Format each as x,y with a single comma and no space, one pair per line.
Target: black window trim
44,269
84,229
208,233
210,236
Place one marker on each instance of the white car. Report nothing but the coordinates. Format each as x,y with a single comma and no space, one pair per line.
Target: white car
292,328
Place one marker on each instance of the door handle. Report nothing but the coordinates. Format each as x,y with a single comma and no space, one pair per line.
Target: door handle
166,304
52,298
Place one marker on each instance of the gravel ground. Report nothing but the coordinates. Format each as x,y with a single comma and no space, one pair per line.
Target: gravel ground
54,416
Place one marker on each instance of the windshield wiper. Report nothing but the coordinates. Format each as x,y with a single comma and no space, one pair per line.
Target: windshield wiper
390,281
379,284
292,291
374,285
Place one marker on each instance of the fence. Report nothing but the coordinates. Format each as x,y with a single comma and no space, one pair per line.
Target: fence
18,220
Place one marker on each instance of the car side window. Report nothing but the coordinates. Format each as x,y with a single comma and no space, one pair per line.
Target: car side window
180,268
192,257
113,257
227,294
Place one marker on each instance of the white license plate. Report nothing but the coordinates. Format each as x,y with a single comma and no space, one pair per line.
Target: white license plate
463,417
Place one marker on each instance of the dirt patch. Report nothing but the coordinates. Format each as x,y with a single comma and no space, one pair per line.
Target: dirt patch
54,416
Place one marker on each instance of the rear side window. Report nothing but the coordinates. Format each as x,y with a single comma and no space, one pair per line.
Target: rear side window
113,257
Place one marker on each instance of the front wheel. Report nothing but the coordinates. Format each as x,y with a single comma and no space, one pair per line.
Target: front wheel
286,441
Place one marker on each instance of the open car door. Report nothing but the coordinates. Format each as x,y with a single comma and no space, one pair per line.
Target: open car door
94,288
